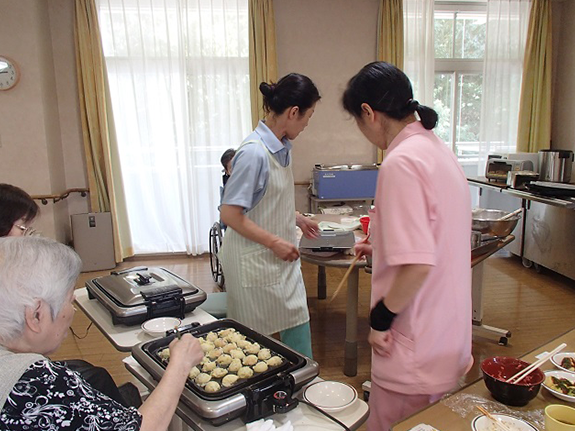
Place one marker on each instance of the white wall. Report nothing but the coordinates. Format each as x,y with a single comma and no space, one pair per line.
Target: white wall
41,109
563,129
329,41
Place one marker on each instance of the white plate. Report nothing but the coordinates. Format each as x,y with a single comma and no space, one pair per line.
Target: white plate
157,327
330,396
561,375
557,358
483,423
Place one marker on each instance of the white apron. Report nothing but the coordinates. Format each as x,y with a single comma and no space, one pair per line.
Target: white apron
263,291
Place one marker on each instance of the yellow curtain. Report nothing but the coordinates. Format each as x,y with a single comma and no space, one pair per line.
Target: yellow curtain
534,130
390,38
263,62
98,132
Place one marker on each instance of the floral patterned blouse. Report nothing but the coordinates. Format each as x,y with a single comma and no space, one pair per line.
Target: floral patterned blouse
51,397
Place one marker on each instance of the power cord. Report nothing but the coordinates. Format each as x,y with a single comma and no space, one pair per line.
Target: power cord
85,335
337,421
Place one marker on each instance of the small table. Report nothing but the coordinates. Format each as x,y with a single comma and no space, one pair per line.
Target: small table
302,417
443,418
123,337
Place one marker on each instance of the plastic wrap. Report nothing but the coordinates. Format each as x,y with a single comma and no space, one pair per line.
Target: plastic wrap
465,406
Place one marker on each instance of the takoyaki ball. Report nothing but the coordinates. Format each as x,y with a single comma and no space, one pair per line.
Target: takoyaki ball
235,337
237,354
212,387
242,344
215,353
207,346
229,380
224,360
274,361
235,365
220,342
212,336
209,366
264,354
229,347
202,379
218,373
260,367
164,354
245,373
194,372
225,332
250,360
253,349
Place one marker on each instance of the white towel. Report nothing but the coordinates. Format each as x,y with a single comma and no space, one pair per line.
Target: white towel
268,425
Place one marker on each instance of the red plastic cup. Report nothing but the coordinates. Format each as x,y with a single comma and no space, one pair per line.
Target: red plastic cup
364,223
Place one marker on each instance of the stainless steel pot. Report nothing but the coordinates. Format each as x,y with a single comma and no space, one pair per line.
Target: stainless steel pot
555,165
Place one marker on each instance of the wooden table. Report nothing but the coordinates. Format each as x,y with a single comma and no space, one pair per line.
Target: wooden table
443,418
351,316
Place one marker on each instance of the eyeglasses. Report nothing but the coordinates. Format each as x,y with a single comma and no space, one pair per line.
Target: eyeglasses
24,229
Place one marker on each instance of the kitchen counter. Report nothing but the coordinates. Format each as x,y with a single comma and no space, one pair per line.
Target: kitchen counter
502,187
546,233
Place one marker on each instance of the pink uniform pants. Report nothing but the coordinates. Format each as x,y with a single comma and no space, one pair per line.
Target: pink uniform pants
387,407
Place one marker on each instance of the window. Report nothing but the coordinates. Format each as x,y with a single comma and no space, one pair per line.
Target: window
179,83
460,31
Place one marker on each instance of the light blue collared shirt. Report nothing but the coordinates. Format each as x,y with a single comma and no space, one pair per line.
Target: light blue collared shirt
251,167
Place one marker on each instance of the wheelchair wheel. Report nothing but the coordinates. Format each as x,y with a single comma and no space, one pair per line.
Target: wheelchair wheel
216,235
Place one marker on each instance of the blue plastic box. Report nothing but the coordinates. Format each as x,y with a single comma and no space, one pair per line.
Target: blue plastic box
344,183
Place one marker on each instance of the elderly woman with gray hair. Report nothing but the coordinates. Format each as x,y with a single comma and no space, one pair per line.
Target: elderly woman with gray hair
37,277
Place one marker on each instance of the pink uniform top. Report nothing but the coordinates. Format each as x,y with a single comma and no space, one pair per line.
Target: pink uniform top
423,216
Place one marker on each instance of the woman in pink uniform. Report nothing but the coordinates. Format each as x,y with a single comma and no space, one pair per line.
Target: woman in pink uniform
421,285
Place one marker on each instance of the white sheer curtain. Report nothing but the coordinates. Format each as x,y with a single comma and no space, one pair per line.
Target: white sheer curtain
507,23
179,80
419,52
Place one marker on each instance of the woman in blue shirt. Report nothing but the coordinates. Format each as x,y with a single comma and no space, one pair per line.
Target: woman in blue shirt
260,257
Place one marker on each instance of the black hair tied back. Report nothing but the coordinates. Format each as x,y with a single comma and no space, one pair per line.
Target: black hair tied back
267,89
293,89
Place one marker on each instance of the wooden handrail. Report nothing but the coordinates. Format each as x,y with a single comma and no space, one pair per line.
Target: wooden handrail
56,198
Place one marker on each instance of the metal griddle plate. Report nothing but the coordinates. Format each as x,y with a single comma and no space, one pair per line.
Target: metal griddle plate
228,403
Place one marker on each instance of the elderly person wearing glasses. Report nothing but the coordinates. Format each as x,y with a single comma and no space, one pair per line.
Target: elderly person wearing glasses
37,277
17,211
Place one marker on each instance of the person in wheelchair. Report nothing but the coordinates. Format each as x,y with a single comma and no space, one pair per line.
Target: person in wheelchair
226,160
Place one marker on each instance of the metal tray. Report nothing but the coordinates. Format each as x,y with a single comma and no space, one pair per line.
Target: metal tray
229,403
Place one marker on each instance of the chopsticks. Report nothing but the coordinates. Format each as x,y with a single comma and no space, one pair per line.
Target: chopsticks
493,418
346,275
526,371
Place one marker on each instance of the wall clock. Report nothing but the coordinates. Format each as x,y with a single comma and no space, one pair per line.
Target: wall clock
9,73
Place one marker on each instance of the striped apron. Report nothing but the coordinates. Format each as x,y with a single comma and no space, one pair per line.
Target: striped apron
263,291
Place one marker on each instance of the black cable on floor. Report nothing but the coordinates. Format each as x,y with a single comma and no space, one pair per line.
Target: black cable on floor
85,335
337,421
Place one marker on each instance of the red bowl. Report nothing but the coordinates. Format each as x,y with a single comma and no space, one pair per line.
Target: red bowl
364,223
500,368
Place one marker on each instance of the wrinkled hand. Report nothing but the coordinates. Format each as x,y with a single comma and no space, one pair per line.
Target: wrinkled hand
185,353
381,342
363,248
309,227
284,250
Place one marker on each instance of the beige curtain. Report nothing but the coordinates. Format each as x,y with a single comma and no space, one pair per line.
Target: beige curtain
263,62
106,193
390,32
534,132
390,38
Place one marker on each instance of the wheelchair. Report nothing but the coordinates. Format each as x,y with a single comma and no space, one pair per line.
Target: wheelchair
216,236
